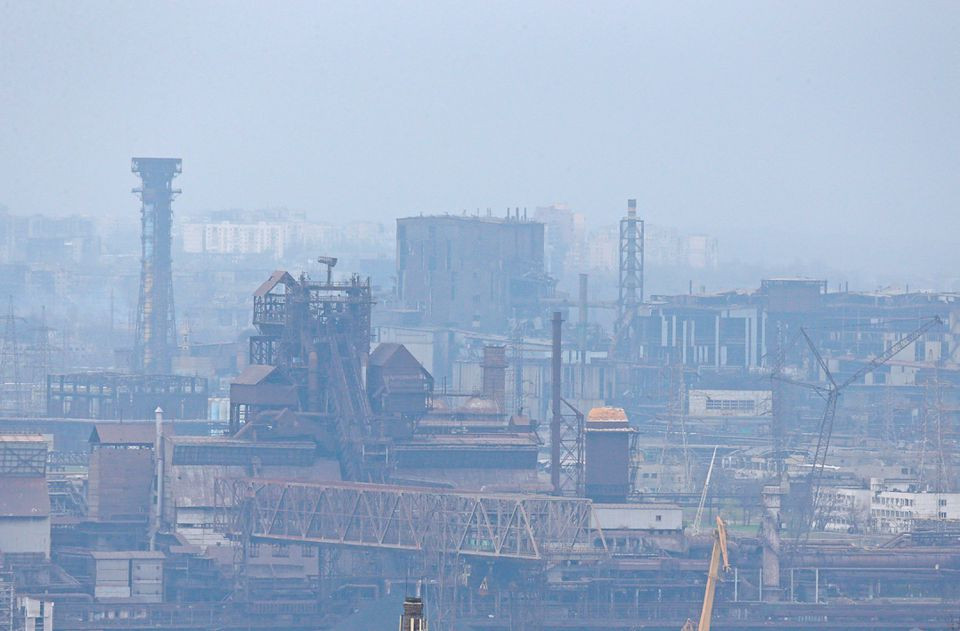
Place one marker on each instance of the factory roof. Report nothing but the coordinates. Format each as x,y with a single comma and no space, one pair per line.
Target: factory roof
143,433
254,374
278,277
24,497
220,441
489,441
607,414
103,555
473,218
389,352
23,438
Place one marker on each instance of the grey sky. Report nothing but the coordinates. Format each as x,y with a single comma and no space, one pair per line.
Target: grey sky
789,130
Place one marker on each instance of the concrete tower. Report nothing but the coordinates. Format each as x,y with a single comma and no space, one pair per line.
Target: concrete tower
156,339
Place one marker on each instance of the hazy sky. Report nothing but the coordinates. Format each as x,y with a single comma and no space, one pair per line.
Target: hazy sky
789,130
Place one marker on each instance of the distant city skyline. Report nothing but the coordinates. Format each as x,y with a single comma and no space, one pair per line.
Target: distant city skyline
814,132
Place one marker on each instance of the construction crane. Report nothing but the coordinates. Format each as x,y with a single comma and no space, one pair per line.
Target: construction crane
832,394
713,577
703,495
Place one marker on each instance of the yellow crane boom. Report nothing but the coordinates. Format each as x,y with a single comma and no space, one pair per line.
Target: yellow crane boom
718,555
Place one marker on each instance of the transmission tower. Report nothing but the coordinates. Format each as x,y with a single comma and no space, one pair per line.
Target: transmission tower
932,434
10,362
40,351
676,428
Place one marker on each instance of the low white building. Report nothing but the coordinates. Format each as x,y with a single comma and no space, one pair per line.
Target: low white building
894,512
888,507
638,528
647,517
717,403
227,237
36,614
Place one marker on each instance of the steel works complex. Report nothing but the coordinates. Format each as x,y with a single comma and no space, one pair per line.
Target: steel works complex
507,455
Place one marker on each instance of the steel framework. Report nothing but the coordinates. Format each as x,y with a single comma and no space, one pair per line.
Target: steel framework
156,339
522,527
631,261
572,425
318,334
626,341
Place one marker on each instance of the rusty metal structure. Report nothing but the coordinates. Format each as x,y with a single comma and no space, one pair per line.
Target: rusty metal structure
156,336
629,284
317,335
497,526
115,396
566,426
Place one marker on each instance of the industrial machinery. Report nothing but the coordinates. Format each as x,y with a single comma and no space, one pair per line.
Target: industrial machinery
713,577
832,394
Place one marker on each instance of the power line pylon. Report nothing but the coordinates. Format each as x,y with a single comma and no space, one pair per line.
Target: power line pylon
10,361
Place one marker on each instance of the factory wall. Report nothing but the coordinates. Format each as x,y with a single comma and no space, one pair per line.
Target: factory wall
470,271
25,535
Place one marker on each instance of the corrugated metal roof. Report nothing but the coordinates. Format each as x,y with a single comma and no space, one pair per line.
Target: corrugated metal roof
126,554
127,433
220,441
491,441
23,438
275,279
607,413
383,352
254,374
24,497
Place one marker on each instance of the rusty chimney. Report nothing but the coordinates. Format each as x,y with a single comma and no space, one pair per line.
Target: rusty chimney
495,375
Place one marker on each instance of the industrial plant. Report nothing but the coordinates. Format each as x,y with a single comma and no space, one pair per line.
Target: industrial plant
478,448
479,316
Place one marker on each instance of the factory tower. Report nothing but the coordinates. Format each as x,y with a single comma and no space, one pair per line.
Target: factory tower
156,327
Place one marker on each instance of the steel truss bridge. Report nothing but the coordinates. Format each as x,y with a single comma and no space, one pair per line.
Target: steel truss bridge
522,527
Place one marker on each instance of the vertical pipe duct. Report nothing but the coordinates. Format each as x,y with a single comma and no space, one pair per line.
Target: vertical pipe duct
158,458
582,326
494,375
313,381
770,539
557,420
